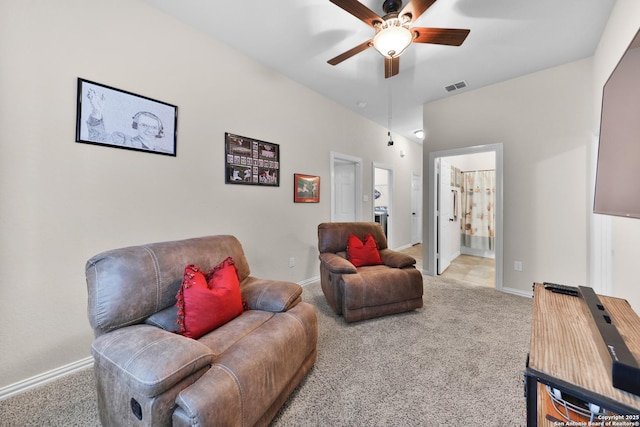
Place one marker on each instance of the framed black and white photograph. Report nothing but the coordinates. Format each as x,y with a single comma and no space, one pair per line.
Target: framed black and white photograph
116,118
251,161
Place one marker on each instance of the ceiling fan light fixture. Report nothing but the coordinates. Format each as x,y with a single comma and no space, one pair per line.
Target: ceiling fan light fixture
392,37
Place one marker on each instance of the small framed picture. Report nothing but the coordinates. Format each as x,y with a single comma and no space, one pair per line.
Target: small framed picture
250,161
116,118
306,188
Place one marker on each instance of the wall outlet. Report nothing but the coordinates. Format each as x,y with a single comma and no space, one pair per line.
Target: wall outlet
292,262
517,265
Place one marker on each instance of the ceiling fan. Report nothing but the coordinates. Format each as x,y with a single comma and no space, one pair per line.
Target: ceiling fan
393,34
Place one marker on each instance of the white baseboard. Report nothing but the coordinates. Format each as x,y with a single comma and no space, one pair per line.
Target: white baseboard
519,292
43,378
478,252
403,247
309,281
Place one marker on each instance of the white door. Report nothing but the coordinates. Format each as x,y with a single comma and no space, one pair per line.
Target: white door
346,187
416,203
344,191
444,215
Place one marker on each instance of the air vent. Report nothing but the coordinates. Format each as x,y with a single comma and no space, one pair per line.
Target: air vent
456,86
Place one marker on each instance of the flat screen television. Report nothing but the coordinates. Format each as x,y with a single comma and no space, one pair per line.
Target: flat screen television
617,190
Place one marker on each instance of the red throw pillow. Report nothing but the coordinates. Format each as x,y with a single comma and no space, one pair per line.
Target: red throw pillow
363,252
206,302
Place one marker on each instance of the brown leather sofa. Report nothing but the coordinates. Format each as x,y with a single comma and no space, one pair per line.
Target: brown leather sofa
365,292
239,374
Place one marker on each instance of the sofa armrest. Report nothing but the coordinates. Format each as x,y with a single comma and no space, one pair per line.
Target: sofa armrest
396,259
270,295
149,360
337,264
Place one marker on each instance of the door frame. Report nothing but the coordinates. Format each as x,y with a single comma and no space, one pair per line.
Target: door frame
390,209
416,202
357,161
443,199
431,267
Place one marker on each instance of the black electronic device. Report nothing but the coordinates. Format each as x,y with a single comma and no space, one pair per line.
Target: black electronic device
561,289
618,147
625,371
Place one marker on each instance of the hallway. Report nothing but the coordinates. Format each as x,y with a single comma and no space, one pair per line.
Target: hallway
478,270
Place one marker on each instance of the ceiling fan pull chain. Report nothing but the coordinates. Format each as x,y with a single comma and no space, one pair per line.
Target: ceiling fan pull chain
390,101
389,111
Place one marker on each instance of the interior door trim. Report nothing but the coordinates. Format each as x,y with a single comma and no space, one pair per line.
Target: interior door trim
429,251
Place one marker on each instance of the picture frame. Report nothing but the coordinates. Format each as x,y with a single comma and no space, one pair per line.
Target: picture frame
250,161
306,188
116,118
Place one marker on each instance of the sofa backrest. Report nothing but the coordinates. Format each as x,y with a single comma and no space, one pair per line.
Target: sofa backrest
125,286
333,236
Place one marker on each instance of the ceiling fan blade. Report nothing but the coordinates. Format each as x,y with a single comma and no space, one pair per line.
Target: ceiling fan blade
348,54
447,36
358,10
391,66
416,8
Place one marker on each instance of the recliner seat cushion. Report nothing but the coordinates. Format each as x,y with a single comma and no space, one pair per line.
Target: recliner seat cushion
380,285
251,374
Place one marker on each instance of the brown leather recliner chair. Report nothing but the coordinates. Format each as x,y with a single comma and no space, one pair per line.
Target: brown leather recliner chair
369,291
239,374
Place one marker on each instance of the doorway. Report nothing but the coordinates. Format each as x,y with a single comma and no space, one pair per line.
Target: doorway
445,210
383,197
416,208
346,188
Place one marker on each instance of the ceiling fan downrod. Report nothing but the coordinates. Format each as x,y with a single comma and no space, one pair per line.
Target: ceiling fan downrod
391,6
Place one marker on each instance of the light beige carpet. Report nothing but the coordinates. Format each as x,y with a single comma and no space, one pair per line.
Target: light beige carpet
458,361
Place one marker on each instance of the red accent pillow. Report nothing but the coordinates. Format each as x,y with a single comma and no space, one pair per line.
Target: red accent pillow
363,252
208,301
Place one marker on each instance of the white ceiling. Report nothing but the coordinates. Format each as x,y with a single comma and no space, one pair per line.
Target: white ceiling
508,38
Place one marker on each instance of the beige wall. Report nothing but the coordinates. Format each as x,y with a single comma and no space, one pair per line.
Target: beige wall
548,123
62,202
620,30
544,125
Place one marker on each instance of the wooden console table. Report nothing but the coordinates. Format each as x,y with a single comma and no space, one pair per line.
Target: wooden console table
564,354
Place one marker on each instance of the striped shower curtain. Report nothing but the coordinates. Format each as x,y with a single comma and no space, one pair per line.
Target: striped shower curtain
478,209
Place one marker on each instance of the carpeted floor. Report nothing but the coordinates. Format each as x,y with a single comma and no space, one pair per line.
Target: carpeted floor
458,361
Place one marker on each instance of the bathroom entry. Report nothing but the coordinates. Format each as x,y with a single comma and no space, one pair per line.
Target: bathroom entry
466,215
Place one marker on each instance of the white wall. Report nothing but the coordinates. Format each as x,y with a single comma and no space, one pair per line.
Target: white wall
549,155
545,125
62,202
472,162
621,28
